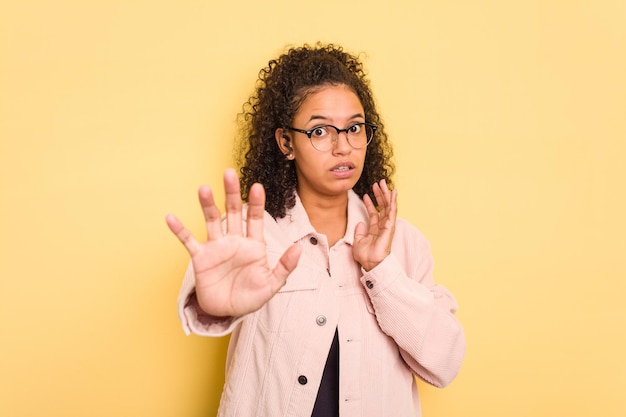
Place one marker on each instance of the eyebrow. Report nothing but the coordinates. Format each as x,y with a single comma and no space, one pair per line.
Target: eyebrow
320,117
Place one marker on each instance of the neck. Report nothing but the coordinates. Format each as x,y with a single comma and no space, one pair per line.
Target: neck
329,216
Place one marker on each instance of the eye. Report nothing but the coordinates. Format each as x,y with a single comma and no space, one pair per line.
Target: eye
355,129
319,132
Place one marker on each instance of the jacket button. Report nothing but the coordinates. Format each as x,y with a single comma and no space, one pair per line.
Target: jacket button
302,380
313,240
369,284
321,320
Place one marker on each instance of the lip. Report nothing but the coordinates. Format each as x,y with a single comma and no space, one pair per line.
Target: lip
347,171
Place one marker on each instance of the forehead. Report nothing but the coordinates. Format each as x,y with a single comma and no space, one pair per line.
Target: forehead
330,101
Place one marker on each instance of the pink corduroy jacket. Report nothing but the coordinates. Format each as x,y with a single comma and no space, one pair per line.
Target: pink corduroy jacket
394,322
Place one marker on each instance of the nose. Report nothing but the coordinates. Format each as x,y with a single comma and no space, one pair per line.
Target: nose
341,145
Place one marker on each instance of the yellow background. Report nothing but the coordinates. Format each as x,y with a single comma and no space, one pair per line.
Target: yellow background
508,120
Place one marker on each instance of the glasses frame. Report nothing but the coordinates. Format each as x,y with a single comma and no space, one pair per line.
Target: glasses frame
309,133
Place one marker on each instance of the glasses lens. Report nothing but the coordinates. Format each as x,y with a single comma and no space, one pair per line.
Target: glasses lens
360,135
322,143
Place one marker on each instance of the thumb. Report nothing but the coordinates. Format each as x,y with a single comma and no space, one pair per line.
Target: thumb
286,264
360,231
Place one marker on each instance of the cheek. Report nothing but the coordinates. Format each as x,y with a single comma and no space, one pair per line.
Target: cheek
362,156
309,166
361,166
304,162
306,157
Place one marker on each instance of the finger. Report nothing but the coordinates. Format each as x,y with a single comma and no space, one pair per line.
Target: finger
386,198
386,191
372,213
392,213
393,206
233,202
387,223
211,213
184,235
256,212
381,193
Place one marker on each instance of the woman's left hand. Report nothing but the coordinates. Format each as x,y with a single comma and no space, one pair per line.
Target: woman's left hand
372,244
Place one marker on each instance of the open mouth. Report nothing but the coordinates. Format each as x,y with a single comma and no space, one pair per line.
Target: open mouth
343,167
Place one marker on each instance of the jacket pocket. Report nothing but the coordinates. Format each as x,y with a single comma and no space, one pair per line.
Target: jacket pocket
288,307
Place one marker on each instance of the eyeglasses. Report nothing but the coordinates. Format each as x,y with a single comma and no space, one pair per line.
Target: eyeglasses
323,138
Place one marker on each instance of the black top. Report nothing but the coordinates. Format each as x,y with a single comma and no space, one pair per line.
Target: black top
327,401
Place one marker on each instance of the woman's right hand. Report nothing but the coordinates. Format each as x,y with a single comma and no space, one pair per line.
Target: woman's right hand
233,277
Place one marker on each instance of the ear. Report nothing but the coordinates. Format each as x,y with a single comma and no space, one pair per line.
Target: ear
284,142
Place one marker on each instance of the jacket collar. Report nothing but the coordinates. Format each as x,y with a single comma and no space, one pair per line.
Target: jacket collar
296,224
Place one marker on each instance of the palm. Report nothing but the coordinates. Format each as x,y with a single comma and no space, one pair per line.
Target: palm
232,274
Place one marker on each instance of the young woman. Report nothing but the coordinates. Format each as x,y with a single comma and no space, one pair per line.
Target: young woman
329,298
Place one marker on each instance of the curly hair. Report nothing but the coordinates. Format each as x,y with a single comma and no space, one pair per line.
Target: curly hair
281,88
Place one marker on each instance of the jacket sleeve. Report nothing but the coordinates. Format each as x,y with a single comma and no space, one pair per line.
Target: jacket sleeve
417,313
193,319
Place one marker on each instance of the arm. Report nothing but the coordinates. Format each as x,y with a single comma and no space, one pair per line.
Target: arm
409,307
417,313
